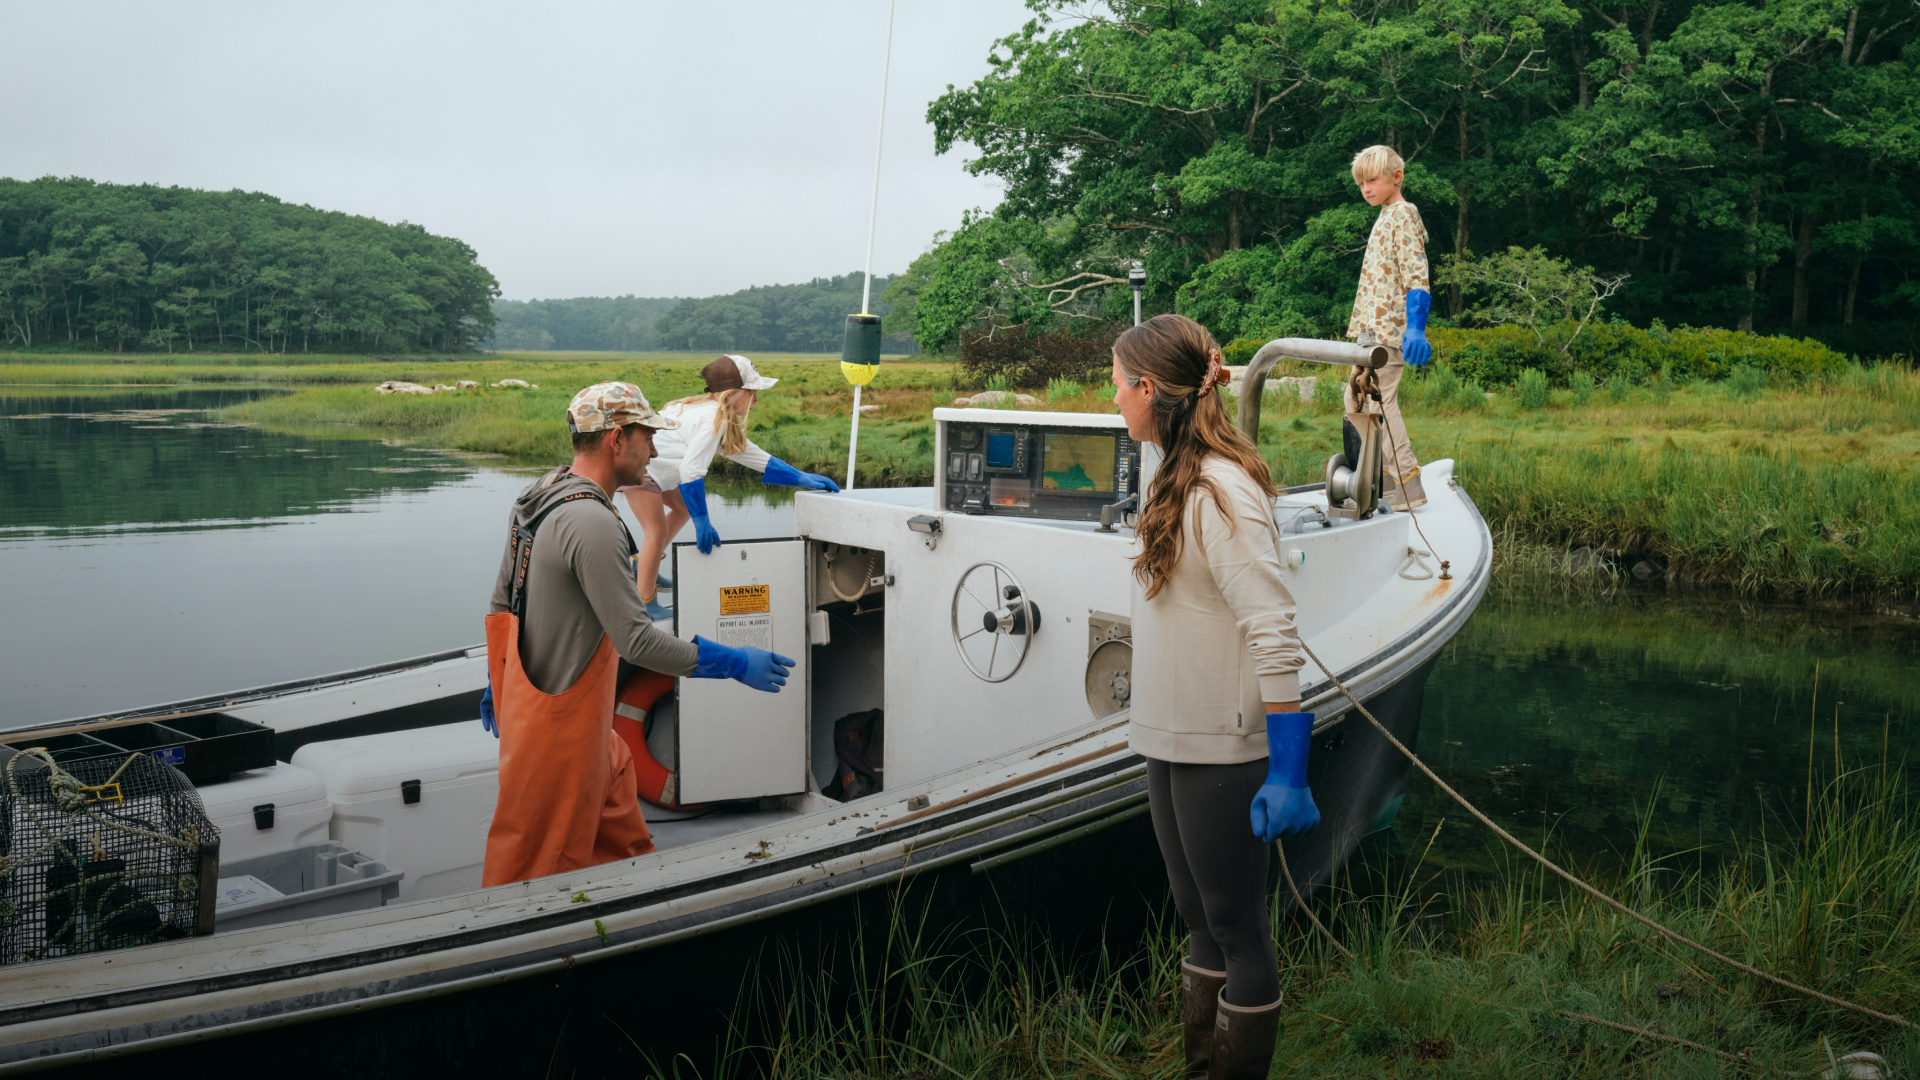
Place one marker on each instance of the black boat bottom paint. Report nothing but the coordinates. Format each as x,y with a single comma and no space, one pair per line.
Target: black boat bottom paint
1101,891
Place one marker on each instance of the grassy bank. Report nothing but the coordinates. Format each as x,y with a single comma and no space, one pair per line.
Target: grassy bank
1807,490
1444,980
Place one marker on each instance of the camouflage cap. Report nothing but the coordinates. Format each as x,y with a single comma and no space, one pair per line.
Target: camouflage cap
610,405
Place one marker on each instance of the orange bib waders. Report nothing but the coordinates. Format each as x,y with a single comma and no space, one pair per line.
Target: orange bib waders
567,788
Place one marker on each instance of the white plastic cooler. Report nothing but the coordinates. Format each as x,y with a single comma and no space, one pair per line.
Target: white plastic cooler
419,801
267,811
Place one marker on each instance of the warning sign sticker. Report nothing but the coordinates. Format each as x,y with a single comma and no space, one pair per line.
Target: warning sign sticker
745,599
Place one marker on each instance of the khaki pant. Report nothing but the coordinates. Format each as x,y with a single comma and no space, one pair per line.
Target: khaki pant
1399,449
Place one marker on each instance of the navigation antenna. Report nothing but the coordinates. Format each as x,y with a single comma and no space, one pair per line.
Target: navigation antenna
860,349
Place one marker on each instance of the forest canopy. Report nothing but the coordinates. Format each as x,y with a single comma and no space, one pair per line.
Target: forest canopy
110,266
1748,165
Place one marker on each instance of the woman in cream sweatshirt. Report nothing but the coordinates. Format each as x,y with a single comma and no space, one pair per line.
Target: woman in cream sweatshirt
1216,663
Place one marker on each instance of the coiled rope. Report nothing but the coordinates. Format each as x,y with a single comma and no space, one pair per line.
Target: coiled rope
1671,935
866,581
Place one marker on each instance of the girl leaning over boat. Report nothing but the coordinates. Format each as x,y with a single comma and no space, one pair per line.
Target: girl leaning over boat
1216,709
675,491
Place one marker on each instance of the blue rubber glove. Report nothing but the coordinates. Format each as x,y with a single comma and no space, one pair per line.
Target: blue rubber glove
486,711
1284,804
757,668
1413,344
779,472
694,494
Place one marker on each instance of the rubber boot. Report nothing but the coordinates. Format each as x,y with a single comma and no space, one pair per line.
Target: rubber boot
1243,1041
657,611
1199,998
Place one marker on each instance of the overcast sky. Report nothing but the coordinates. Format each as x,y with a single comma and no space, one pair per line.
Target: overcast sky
584,149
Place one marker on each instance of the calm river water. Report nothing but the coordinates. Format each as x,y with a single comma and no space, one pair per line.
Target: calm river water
149,553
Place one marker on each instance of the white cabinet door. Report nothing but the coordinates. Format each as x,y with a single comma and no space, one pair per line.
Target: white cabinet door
737,742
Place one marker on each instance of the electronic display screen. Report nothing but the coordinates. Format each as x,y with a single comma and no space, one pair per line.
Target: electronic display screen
999,449
1081,463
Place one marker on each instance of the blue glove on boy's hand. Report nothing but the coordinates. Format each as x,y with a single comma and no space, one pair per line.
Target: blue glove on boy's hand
486,711
1284,805
1413,344
779,472
757,668
694,495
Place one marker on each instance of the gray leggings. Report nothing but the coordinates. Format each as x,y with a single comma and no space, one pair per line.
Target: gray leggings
1218,870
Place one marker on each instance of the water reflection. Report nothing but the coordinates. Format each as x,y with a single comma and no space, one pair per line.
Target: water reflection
1566,719
72,465
151,553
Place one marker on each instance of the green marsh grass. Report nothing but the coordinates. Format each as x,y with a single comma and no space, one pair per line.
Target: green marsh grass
1804,491
1449,977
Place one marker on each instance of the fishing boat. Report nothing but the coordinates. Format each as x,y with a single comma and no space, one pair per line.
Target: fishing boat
985,617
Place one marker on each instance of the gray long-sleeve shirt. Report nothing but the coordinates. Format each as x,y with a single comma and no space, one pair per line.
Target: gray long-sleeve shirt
579,587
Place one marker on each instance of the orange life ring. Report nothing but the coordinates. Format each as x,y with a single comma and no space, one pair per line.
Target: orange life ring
658,784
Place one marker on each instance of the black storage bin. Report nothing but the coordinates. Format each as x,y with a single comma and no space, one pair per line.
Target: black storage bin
209,747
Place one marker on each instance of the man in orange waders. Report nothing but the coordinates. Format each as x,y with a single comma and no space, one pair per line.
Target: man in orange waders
564,611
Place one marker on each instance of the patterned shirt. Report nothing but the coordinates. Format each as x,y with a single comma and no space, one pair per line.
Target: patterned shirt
1396,261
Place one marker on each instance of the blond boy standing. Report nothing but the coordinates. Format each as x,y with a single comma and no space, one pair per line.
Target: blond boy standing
1391,309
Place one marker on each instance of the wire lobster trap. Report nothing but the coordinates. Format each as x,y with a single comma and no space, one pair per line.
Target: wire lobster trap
101,854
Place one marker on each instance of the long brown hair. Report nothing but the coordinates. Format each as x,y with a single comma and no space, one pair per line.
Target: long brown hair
731,420
1190,425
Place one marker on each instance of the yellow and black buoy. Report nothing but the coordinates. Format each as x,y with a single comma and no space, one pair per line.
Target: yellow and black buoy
859,362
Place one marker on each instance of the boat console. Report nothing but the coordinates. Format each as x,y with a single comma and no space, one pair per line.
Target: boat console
1064,466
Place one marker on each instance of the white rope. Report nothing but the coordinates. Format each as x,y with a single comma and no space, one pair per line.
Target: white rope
1414,558
866,582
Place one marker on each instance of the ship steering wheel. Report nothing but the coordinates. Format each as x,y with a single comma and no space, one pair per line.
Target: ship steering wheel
992,614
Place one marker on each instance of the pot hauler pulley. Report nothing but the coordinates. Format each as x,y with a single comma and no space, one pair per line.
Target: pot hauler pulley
1356,477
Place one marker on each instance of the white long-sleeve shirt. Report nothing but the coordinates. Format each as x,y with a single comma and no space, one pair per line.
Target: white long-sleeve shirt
1218,641
684,454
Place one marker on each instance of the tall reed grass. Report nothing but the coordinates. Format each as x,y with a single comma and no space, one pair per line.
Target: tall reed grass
1448,978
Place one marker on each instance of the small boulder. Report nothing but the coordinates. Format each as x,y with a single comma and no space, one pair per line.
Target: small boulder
467,384
1583,559
1302,385
996,398
514,384
864,409
401,386
1645,571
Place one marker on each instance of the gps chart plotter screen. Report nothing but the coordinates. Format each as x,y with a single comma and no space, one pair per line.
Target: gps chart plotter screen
1082,463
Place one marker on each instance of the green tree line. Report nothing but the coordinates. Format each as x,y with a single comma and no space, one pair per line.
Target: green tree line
1747,165
583,323
111,266
809,317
